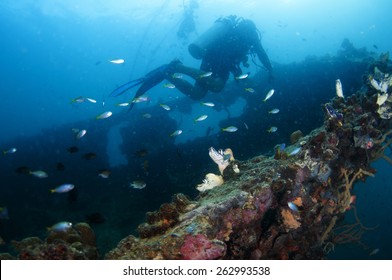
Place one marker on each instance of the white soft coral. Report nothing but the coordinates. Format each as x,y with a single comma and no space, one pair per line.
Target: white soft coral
211,181
222,159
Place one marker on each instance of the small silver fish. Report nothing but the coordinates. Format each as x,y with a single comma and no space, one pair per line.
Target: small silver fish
292,206
104,173
375,251
274,111
243,76
91,100
117,61
63,188
295,151
10,151
201,118
246,126
138,184
146,116
251,90
339,88
272,129
60,227
104,115
123,104
269,95
164,106
169,85
230,129
177,76
205,75
80,134
79,99
39,174
140,99
208,104
176,133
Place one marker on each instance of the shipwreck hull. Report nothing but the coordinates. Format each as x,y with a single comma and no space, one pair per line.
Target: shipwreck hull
283,207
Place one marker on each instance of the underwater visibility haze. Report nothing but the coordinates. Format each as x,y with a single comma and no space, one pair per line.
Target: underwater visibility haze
78,164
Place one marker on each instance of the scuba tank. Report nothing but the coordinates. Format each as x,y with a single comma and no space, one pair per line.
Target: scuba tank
214,34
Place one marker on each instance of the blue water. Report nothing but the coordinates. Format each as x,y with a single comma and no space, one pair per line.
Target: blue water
53,51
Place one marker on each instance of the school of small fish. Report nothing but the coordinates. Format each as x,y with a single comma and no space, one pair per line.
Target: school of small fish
140,184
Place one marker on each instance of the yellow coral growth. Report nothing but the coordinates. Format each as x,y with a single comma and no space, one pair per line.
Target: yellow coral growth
289,220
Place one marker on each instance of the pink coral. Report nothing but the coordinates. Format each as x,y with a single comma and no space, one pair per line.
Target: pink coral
199,247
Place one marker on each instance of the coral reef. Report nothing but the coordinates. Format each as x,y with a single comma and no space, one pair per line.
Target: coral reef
77,243
284,207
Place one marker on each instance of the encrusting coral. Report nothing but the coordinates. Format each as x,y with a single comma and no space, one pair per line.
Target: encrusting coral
289,220
77,243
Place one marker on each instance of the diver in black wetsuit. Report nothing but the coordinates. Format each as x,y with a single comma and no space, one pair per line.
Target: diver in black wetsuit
222,49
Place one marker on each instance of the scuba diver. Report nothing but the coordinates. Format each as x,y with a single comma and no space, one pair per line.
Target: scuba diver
222,49
187,25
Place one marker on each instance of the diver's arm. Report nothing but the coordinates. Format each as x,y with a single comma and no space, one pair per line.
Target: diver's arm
262,55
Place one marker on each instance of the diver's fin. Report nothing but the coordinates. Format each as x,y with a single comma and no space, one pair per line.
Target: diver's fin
131,106
121,89
151,79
